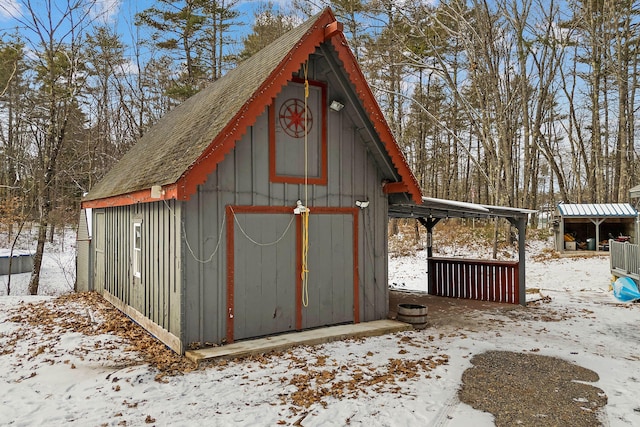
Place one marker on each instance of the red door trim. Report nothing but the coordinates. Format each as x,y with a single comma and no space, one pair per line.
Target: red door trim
230,221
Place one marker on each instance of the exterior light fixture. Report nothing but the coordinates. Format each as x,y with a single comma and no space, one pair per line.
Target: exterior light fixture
336,105
362,204
156,191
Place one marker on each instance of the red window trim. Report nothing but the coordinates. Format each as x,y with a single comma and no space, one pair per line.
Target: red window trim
273,176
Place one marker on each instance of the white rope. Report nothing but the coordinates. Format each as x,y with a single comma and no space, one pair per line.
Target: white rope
275,242
204,261
186,240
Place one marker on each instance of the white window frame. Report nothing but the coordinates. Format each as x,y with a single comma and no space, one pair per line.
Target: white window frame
136,246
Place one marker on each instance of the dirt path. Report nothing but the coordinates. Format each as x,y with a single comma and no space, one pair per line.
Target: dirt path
452,312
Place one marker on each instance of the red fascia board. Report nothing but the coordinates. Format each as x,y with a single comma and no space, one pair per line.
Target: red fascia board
395,187
140,196
375,114
225,141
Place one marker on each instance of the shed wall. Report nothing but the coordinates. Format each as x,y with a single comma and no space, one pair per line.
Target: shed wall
156,294
84,256
242,179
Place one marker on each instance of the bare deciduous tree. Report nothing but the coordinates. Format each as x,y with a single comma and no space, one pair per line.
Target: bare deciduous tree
55,32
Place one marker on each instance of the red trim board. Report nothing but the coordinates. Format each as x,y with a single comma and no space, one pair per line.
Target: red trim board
230,209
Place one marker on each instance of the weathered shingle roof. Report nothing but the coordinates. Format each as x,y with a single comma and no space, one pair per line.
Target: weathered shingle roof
189,141
173,144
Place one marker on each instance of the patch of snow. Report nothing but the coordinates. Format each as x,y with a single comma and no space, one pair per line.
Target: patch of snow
67,377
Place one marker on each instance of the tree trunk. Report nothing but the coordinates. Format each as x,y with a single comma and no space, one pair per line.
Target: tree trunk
34,283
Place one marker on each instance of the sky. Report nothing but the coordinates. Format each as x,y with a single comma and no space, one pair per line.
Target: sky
119,15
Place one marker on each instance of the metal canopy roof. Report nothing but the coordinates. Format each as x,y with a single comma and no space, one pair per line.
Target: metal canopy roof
597,210
442,208
432,210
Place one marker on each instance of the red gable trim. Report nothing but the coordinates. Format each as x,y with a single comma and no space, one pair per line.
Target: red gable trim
377,118
326,27
333,29
246,117
395,187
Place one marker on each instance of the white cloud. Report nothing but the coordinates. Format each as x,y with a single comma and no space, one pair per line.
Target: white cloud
107,10
10,9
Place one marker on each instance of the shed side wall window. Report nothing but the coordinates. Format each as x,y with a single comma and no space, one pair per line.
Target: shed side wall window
137,249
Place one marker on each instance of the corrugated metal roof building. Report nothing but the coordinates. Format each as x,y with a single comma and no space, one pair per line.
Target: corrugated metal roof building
589,226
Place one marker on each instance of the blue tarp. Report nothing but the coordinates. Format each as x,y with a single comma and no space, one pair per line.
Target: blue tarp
625,289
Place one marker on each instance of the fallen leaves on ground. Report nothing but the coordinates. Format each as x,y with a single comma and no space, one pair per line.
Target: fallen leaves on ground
321,380
314,381
89,314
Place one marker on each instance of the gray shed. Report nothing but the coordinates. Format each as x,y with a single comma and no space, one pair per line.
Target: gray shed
259,205
589,226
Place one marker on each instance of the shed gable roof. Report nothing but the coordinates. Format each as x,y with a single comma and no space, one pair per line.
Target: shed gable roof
186,145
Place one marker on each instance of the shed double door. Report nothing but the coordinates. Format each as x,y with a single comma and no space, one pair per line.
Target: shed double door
267,288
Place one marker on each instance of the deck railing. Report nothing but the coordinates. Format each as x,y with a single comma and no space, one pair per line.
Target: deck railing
482,280
624,259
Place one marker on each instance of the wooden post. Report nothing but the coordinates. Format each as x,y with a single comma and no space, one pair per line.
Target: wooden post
521,224
429,223
522,288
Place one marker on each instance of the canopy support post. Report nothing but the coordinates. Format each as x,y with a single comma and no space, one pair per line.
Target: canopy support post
429,223
521,225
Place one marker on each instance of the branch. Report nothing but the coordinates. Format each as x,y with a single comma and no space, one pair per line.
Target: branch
445,128
13,73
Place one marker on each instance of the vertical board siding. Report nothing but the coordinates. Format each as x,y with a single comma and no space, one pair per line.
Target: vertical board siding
150,295
242,179
331,270
496,281
264,274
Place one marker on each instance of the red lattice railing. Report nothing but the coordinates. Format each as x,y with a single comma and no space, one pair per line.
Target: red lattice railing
474,279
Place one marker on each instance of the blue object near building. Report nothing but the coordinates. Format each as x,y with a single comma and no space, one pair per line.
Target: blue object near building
626,290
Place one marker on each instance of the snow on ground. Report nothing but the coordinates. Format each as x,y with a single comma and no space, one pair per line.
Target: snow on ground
58,273
60,377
